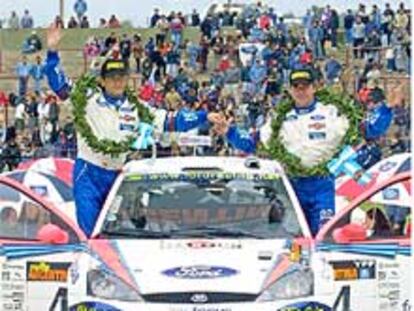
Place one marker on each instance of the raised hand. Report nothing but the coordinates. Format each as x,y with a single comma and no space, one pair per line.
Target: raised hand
54,35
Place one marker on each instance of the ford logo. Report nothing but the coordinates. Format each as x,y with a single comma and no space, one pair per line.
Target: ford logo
199,272
199,298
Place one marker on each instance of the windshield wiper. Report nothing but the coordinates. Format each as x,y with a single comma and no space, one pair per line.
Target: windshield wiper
136,233
208,232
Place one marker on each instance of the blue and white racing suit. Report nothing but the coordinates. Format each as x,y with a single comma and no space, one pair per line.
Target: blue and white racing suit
313,135
109,118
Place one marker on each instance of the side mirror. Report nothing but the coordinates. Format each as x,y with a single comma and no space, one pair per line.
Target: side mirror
350,233
52,234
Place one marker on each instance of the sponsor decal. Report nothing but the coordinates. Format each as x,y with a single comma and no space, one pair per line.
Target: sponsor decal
317,135
391,194
126,109
126,127
317,125
40,190
199,298
127,118
306,306
93,306
348,270
47,271
12,287
387,166
291,117
197,216
200,272
317,117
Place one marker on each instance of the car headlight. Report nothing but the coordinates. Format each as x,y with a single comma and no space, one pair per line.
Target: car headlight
107,286
295,284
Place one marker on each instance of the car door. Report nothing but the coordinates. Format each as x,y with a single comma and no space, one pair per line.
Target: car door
364,251
38,245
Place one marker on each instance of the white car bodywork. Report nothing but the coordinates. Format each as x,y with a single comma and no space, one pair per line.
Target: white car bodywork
205,274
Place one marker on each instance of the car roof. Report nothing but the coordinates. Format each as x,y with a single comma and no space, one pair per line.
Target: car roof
177,165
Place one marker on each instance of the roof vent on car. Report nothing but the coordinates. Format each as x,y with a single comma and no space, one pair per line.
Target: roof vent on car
252,162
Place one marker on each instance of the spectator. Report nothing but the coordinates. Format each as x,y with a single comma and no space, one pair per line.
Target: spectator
358,35
36,72
32,44
102,23
316,37
307,22
125,47
155,17
27,20
195,18
137,51
386,26
73,23
332,70
12,155
58,22
113,22
32,112
163,27
84,22
23,73
176,27
333,27
80,7
54,111
20,116
13,21
348,25
110,41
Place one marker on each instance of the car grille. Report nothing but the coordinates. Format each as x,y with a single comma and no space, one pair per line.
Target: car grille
199,297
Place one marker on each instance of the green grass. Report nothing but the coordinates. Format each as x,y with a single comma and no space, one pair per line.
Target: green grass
11,40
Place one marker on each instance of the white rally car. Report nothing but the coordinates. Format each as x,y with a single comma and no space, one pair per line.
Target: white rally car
206,234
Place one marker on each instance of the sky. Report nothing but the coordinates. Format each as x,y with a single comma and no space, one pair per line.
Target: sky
138,11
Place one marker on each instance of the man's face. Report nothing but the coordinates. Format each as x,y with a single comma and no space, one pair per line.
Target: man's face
115,85
302,92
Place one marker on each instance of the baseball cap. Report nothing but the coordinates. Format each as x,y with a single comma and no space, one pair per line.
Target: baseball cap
301,75
112,67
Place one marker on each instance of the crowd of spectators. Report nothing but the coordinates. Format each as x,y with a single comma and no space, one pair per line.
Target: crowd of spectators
242,73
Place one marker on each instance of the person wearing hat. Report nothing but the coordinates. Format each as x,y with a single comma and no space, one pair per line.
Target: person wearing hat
312,131
110,116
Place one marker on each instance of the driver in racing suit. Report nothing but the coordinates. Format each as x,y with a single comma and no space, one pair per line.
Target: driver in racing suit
110,116
312,131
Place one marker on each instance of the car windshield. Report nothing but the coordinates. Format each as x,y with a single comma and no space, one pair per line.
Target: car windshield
201,205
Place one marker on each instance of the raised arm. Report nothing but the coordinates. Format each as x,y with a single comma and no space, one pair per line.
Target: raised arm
57,79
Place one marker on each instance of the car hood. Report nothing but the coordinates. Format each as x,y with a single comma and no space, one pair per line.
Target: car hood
200,265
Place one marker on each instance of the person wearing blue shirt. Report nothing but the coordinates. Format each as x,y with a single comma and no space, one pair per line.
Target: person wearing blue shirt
36,72
332,69
23,74
257,74
312,131
109,115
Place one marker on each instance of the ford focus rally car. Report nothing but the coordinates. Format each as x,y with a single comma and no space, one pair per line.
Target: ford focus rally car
206,234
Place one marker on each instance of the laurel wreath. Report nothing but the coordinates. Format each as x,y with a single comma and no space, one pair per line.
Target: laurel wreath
292,164
79,101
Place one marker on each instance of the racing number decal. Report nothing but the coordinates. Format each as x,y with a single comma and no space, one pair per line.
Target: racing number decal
62,296
345,297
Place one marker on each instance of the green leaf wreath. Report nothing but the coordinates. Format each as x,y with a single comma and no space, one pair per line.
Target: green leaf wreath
292,164
79,101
